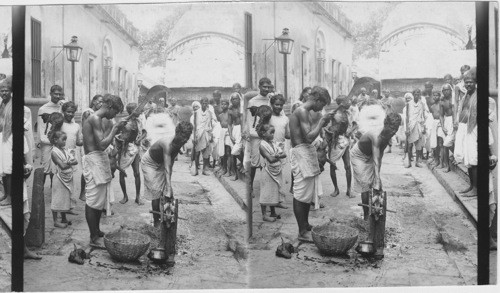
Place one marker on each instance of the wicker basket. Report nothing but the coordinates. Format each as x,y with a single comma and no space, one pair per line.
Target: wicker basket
126,245
334,239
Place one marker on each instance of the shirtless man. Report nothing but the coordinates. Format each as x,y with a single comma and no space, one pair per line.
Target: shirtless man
157,164
234,129
338,136
466,135
98,133
303,158
225,142
95,104
366,159
447,119
435,141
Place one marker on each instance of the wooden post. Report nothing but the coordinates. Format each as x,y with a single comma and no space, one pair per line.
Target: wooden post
35,234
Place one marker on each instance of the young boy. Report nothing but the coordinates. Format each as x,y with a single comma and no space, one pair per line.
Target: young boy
73,143
131,157
225,142
234,129
435,141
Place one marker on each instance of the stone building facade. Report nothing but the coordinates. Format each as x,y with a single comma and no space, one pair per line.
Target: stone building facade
217,44
109,61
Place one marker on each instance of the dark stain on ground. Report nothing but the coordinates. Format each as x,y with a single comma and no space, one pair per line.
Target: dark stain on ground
449,243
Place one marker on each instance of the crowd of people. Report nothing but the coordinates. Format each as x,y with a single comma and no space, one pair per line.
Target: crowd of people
244,133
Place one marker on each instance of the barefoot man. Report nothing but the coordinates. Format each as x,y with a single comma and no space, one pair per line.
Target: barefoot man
97,136
466,137
366,159
338,135
234,129
447,119
157,164
303,158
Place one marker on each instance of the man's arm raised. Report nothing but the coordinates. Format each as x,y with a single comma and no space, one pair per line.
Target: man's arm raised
102,141
305,125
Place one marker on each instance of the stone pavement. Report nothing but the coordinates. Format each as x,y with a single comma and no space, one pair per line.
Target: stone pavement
428,231
210,249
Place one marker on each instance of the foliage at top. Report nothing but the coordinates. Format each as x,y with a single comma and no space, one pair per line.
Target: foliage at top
367,34
153,44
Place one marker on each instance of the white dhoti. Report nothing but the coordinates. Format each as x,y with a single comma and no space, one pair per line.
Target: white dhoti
223,141
339,149
5,155
128,157
97,174
436,125
216,140
238,145
155,177
448,138
305,169
363,170
459,142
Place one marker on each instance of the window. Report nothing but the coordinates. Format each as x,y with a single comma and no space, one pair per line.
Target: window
107,64
334,79
320,58
91,79
248,50
119,79
36,58
320,66
303,66
106,76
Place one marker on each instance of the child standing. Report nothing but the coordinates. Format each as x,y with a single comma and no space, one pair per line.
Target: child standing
74,141
234,129
270,182
280,123
62,187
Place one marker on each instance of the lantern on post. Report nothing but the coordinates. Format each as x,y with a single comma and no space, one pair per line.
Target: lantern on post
285,45
73,54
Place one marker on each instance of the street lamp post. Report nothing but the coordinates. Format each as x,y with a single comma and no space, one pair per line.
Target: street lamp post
285,45
73,54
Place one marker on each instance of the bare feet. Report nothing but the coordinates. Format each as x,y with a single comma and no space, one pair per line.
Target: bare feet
31,255
206,172
466,190
349,194
471,193
69,223
306,237
335,193
6,202
235,178
71,212
281,206
138,201
417,164
228,174
275,216
60,225
124,200
98,242
268,219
